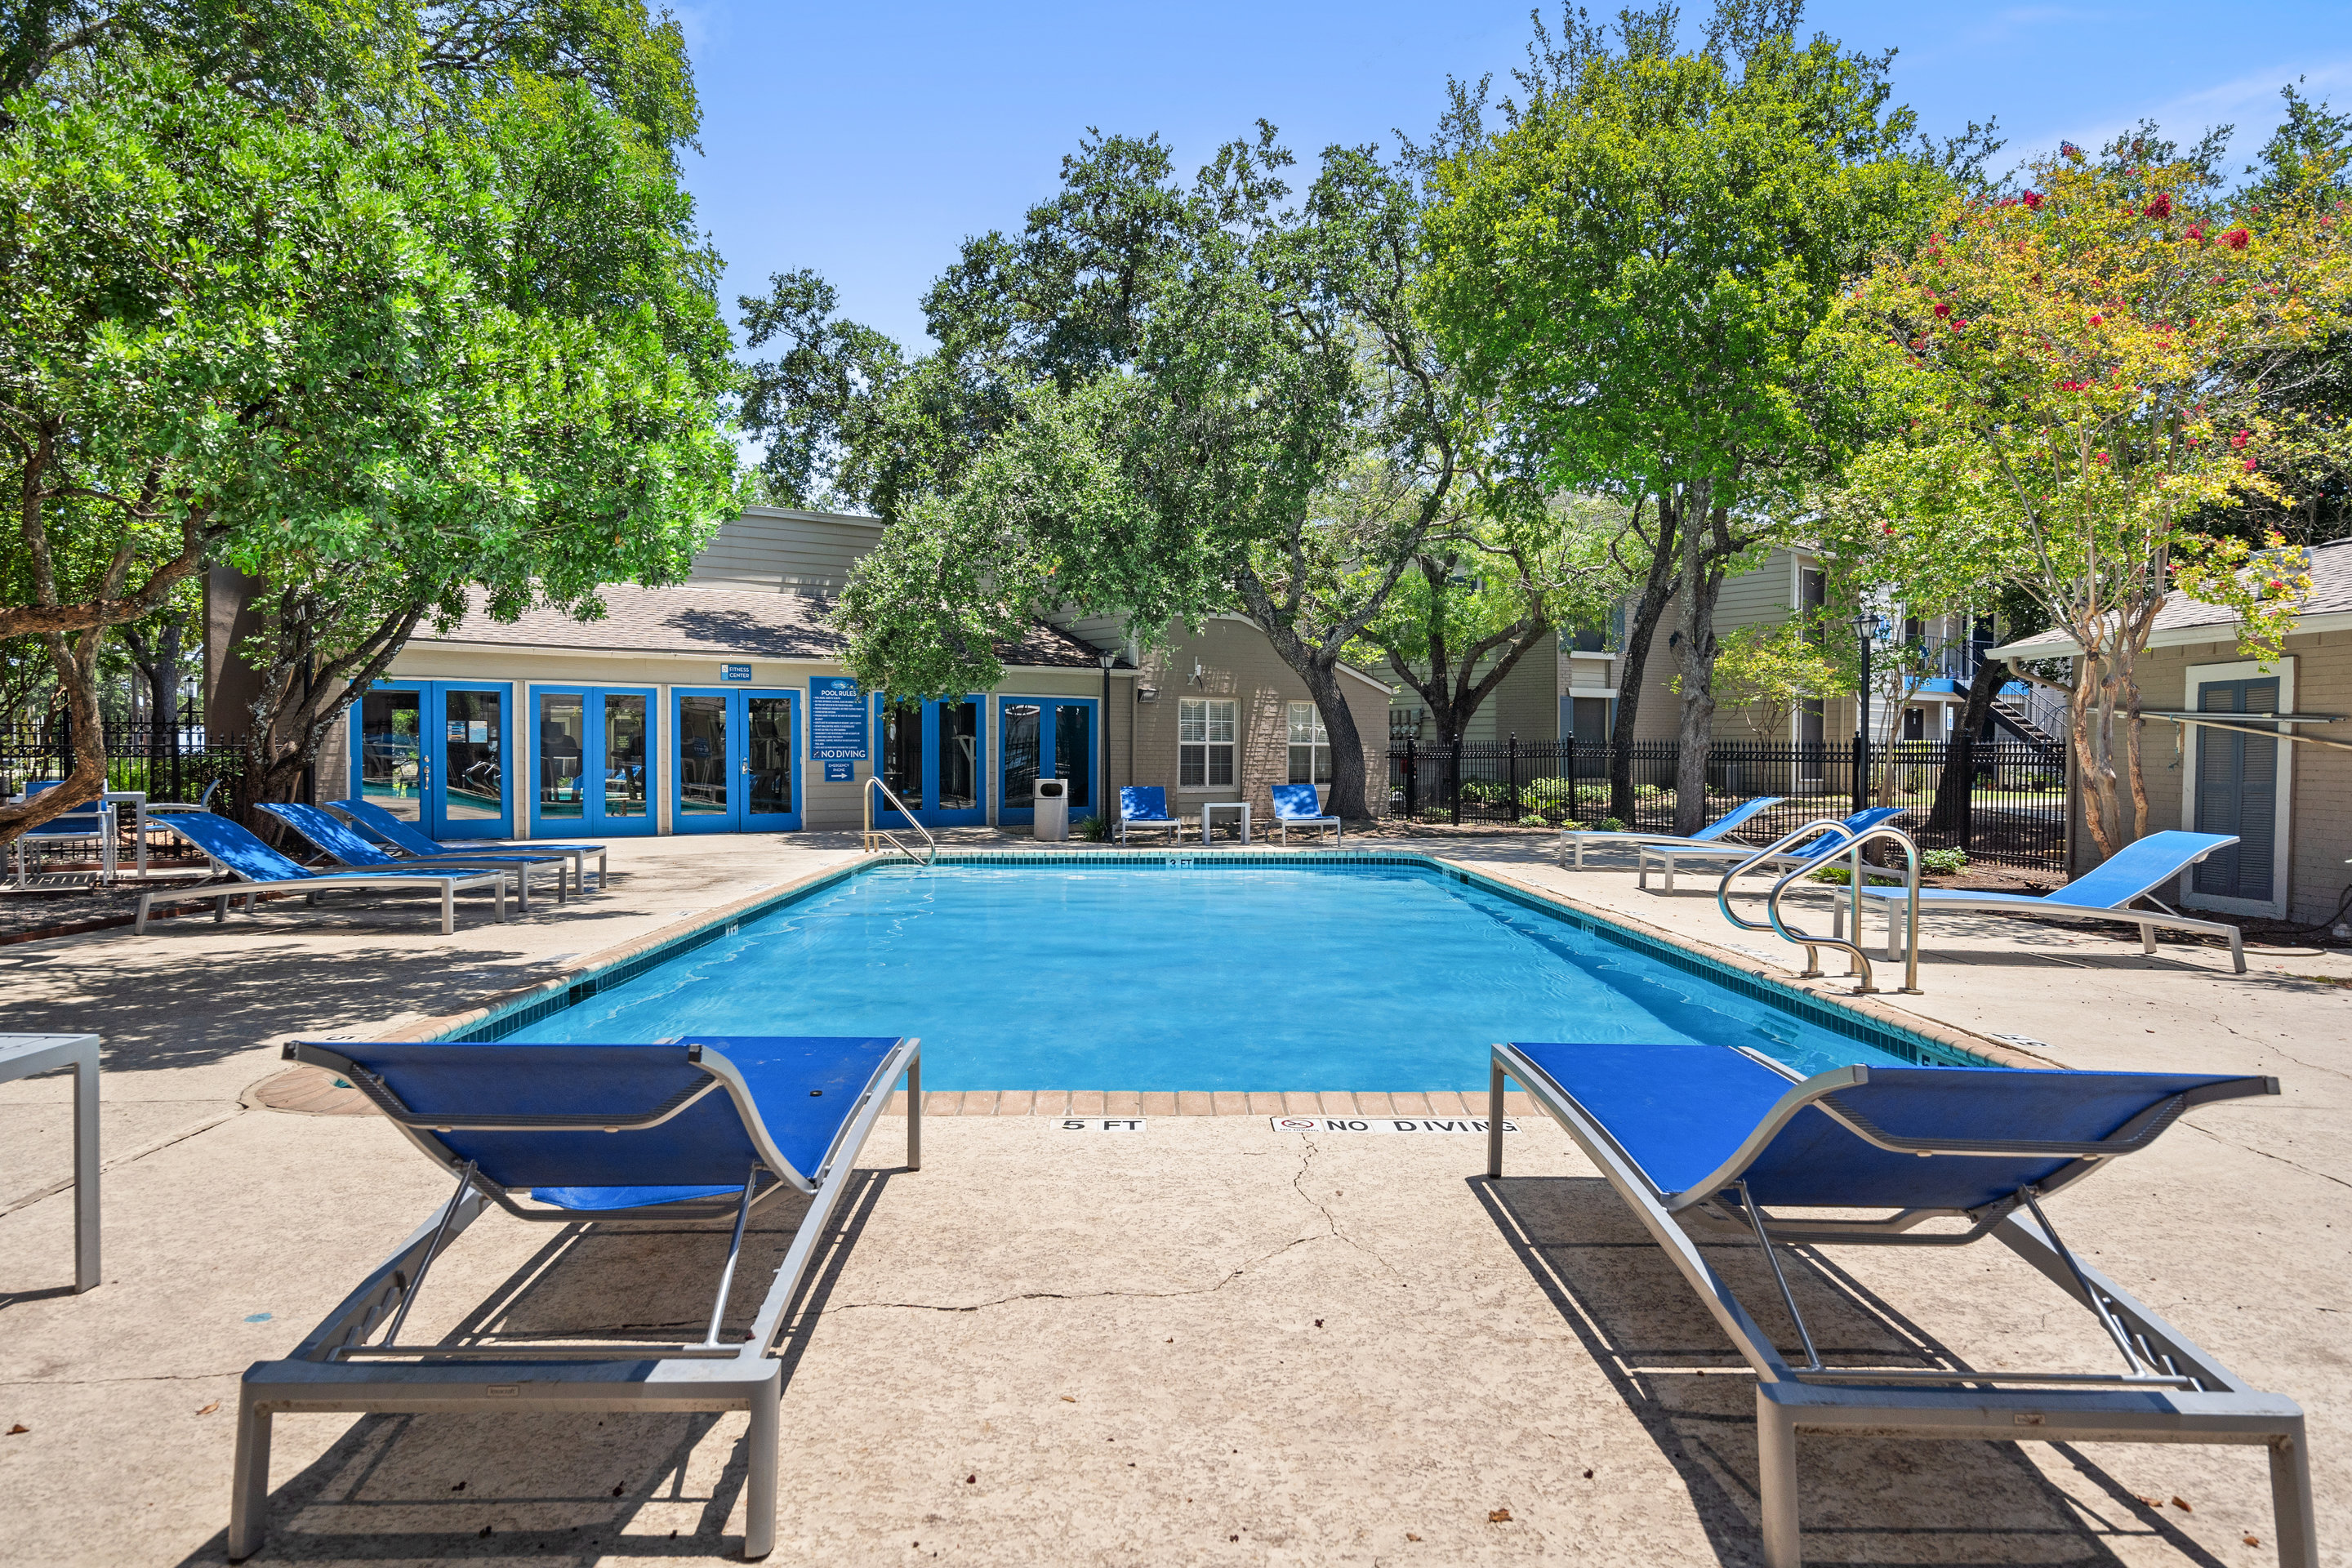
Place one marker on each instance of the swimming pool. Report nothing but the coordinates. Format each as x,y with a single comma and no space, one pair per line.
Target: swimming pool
1166,973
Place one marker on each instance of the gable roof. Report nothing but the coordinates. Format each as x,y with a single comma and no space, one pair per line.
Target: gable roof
2186,620
718,622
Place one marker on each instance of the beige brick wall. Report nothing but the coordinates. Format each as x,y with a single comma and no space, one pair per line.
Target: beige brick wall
2319,823
1237,662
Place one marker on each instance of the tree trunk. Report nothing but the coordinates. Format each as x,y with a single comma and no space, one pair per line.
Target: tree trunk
76,658
1658,588
1318,668
1701,584
1953,790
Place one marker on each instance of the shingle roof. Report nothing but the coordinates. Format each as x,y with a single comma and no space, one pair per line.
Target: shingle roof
2331,593
721,622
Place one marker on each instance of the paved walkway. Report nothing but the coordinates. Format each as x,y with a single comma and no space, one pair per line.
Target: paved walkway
1209,1341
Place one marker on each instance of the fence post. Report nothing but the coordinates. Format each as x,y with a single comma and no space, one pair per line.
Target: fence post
1965,748
1511,777
1412,802
1453,783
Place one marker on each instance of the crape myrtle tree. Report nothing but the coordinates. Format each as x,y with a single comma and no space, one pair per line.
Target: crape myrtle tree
2089,367
1640,266
372,334
1161,400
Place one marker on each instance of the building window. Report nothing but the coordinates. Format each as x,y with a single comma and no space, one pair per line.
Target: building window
1204,736
1311,748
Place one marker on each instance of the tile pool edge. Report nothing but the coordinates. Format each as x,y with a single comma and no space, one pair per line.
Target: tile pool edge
1854,1018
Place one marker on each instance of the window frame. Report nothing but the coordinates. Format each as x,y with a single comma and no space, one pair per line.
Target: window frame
1208,745
1318,746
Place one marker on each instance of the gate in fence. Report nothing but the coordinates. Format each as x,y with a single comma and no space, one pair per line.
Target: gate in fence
2010,811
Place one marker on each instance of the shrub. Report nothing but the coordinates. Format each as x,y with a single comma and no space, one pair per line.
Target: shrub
1534,819
1943,862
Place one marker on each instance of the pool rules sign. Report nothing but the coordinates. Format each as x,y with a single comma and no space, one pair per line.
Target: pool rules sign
837,725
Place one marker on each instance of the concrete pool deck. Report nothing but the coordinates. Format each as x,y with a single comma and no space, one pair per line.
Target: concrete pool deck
1209,1341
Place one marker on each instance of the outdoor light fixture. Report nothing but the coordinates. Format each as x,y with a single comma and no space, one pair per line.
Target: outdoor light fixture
1868,626
1147,694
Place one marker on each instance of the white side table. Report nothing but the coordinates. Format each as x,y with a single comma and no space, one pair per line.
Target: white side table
1208,817
21,1056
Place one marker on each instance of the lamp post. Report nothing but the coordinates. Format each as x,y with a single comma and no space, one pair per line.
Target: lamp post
1866,628
1102,783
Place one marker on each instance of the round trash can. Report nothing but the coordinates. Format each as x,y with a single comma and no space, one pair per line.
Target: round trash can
1054,810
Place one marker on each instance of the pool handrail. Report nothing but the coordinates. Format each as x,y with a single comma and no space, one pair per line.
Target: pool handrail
1853,852
1786,842
866,797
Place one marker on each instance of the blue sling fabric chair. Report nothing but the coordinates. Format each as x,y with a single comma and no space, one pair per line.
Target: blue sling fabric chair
1730,822
261,869
1146,805
1703,1143
381,826
1295,806
1834,837
692,1130
337,838
2107,894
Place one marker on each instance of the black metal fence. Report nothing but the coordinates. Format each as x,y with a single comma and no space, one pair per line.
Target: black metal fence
2013,812
179,769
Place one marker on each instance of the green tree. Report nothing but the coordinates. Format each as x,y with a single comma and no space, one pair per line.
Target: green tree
376,346
1640,266
1216,364
1767,671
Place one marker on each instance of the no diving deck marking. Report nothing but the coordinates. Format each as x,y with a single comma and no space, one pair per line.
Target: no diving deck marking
1384,1124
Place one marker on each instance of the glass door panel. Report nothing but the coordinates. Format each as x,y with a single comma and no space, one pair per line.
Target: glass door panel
563,757
959,750
1024,734
768,723
702,773
391,757
902,752
624,757
1074,753
472,791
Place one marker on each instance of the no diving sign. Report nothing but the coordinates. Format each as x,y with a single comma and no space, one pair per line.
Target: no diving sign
1384,1124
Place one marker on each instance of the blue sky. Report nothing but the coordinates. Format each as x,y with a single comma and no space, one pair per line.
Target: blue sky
867,141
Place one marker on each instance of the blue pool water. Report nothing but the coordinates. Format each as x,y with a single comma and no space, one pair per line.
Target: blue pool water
1168,977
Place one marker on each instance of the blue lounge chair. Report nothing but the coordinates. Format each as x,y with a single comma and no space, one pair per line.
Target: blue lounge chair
590,1134
1295,806
1730,822
339,840
380,826
1704,1142
262,869
90,825
1823,850
1146,805
2131,874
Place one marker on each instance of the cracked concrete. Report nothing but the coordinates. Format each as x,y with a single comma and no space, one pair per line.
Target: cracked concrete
1209,1343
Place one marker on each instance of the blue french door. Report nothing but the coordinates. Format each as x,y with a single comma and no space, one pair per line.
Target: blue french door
1044,737
592,761
435,752
734,760
933,756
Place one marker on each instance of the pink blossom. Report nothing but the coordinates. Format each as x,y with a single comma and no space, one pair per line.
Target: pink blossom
2253,463
2236,238
2194,231
2098,320
1942,310
2162,208
2238,442
2032,200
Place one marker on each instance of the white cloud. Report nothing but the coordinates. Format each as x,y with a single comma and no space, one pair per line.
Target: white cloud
2249,102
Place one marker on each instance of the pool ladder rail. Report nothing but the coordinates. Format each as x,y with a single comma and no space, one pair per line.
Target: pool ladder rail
1852,853
931,844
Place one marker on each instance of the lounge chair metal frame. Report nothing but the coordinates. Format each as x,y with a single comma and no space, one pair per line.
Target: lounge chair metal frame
1665,855
2174,1392
320,835
1317,821
219,895
351,812
1736,817
336,1369
1174,824
22,1056
2120,913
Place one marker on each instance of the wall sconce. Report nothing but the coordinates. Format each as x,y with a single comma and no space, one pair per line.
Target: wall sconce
1147,694
1196,672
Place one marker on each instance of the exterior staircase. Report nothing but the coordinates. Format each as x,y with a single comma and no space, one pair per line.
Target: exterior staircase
2032,712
